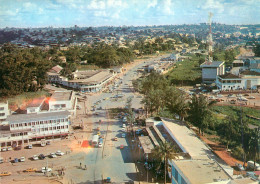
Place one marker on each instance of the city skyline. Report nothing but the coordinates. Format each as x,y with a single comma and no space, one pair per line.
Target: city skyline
84,13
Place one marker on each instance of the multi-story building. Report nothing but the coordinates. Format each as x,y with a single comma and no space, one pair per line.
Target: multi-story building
4,111
24,128
210,70
63,100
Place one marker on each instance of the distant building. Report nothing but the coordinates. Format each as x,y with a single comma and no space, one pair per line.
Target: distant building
245,80
210,70
238,63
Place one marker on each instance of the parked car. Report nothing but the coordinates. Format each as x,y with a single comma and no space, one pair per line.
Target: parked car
41,157
48,142
16,160
9,148
251,97
22,159
123,135
59,153
30,170
121,146
115,138
5,173
18,148
45,169
35,157
4,149
52,155
29,146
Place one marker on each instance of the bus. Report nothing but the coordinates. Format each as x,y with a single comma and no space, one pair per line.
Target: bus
95,140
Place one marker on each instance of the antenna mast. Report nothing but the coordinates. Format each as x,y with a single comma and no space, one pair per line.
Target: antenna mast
210,40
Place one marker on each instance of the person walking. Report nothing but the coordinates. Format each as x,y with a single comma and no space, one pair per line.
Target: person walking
80,164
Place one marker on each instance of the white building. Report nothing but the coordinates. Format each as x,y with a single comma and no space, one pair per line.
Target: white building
245,80
63,100
4,111
24,128
210,70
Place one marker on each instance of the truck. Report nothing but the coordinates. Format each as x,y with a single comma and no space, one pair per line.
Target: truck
95,140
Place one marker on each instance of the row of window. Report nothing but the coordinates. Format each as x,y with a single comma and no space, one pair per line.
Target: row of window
2,114
50,128
38,123
177,176
19,134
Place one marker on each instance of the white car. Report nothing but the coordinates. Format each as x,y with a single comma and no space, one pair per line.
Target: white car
124,126
251,97
59,153
123,135
45,169
53,155
35,157
22,159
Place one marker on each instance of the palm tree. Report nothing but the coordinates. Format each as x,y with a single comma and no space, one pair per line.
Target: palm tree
253,145
164,152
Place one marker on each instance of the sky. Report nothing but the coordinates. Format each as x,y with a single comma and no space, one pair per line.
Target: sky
85,13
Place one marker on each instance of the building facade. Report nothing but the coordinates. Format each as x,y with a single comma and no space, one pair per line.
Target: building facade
210,70
4,111
24,128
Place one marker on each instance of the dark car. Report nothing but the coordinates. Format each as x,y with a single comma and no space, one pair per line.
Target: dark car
41,157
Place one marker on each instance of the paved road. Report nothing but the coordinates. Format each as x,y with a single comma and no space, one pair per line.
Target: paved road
110,160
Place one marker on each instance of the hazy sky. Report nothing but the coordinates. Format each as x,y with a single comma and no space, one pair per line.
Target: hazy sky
66,13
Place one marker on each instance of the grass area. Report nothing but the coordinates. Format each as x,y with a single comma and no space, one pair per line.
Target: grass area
87,67
222,111
26,96
186,72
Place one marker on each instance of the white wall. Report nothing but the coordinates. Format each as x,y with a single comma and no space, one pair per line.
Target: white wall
4,111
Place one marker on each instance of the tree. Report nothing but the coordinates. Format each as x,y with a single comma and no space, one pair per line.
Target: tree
164,152
253,145
229,130
199,111
257,50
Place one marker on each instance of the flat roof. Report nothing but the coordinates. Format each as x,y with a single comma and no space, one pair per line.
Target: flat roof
212,64
95,78
19,118
146,143
61,96
201,171
185,138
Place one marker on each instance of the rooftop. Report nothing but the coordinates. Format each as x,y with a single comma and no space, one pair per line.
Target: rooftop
146,143
201,171
248,72
19,118
212,64
229,76
185,138
95,78
238,61
61,96
56,69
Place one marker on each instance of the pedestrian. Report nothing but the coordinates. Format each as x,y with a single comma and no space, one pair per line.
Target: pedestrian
85,167
80,164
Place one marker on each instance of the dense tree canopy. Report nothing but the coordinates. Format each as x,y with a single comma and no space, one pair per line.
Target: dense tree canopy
21,70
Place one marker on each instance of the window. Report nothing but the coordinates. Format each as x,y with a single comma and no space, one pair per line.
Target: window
62,120
42,129
29,124
63,105
2,108
58,127
58,120
20,124
25,133
45,122
2,114
46,129
50,128
176,175
25,124
67,126
33,123
41,122
62,127
54,128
